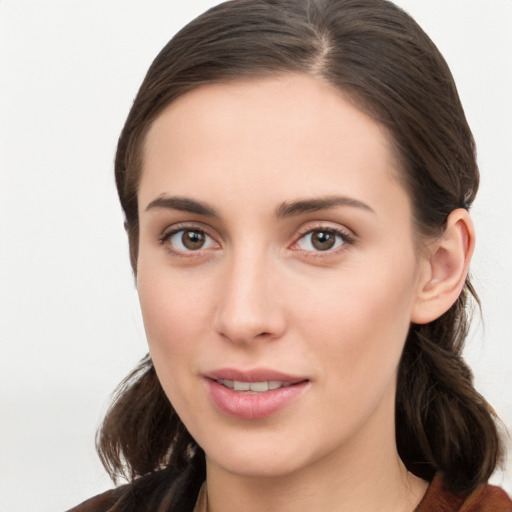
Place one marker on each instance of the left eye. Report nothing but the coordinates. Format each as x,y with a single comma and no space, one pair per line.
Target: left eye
187,240
321,240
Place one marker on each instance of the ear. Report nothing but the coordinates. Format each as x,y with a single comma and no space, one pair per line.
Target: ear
444,268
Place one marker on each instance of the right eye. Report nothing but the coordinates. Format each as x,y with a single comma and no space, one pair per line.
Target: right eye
188,240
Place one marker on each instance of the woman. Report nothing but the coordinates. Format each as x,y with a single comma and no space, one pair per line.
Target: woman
296,178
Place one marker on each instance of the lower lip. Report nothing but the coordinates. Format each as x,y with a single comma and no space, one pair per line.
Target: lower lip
251,406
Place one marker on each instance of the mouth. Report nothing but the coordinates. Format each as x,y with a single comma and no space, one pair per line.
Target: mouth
255,394
254,387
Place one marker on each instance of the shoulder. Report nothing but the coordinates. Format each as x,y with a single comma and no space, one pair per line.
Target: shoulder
169,489
485,498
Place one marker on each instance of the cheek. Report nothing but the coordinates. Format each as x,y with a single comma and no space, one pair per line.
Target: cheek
172,312
174,317
361,321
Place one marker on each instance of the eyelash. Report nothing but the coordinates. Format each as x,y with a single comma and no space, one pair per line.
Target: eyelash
343,237
166,237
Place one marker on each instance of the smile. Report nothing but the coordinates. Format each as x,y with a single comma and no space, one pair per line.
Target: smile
253,394
255,387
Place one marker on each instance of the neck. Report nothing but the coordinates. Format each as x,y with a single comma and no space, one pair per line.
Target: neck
395,490
367,476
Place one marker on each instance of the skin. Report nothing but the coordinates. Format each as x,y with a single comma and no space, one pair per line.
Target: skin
259,294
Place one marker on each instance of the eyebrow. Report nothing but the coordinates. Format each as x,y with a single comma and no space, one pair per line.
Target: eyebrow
286,209
290,209
183,204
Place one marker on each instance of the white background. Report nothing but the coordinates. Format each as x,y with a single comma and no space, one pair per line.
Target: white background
70,325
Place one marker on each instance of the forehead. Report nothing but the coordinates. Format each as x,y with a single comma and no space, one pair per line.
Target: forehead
260,136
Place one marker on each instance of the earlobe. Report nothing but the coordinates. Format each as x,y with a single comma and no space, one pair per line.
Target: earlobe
445,268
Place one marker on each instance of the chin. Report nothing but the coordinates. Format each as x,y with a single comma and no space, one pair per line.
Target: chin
264,456
252,466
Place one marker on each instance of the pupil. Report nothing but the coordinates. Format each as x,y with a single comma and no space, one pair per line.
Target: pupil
323,240
193,239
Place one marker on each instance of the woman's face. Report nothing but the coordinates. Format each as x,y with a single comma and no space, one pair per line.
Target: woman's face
277,272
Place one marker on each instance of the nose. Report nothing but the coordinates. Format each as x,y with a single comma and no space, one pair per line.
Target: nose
249,306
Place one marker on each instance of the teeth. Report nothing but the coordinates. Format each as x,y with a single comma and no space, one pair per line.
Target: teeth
257,387
241,386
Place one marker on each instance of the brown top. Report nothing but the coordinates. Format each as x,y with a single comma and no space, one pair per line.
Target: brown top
486,498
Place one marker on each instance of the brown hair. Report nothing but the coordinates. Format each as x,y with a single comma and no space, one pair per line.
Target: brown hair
377,55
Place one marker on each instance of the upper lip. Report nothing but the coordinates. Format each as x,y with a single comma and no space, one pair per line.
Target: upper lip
254,375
